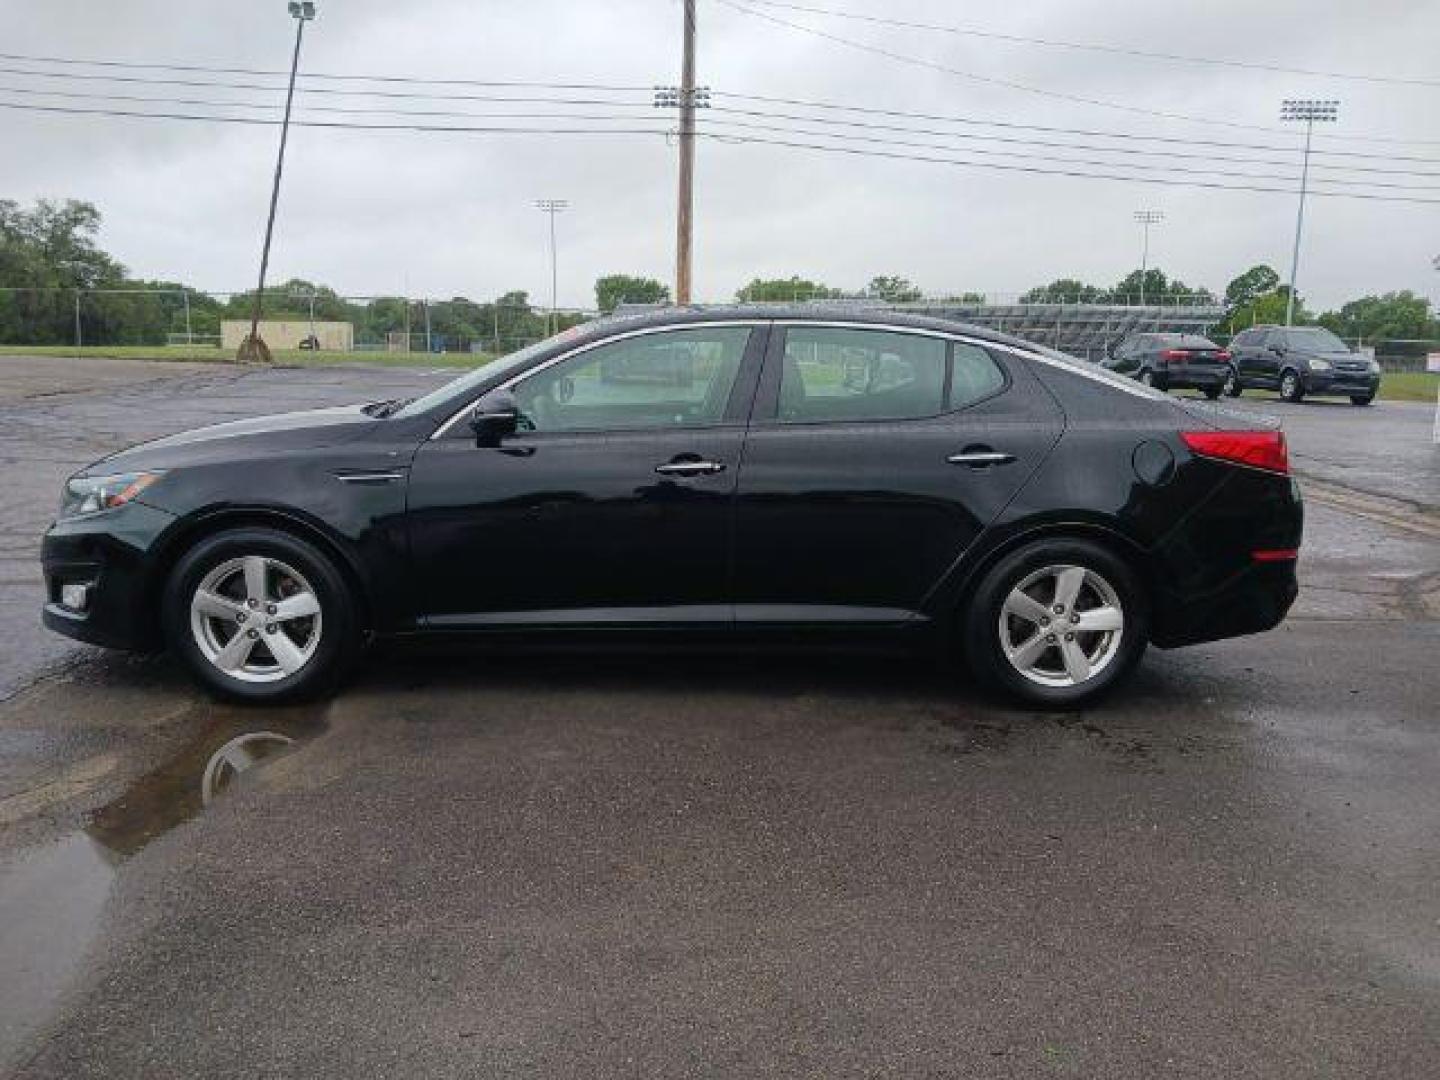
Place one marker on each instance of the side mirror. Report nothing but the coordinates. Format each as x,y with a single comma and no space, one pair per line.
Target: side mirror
494,417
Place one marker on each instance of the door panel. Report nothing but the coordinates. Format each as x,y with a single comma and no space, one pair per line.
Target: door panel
564,524
858,521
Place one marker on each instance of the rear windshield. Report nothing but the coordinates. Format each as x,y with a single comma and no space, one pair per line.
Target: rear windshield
1187,341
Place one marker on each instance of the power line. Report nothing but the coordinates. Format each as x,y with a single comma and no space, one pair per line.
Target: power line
209,84
891,155
403,79
933,65
1117,50
1164,154
864,110
774,128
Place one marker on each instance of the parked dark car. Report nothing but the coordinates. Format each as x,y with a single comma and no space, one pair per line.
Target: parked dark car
1172,362
972,494
1300,360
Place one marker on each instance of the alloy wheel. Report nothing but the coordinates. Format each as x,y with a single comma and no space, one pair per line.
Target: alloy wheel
256,619
1061,625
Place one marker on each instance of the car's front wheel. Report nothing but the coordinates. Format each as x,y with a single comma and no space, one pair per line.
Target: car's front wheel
260,615
1291,388
1361,399
1057,622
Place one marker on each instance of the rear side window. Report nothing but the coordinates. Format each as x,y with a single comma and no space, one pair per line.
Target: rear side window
840,374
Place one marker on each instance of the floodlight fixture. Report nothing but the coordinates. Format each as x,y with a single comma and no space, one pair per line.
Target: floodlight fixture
302,9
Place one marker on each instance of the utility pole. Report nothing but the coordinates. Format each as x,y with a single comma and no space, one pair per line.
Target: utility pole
253,348
553,207
428,349
1146,218
1309,110
189,337
684,219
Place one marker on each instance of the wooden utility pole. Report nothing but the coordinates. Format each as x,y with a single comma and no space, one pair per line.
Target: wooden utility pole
683,216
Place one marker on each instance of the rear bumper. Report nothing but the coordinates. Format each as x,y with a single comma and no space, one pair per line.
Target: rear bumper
1194,376
1254,601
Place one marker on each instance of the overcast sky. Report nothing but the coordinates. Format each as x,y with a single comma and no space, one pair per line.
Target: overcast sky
452,214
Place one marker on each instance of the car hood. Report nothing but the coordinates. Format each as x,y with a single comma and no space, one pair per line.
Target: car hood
239,439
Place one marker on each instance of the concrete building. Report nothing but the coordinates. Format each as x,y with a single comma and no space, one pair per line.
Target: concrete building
335,336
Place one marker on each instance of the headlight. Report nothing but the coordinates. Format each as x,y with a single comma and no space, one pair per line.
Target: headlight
1319,365
91,494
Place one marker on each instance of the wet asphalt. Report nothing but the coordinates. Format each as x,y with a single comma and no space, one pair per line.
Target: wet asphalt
480,863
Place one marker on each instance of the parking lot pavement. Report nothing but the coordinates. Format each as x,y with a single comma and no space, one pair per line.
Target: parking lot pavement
484,863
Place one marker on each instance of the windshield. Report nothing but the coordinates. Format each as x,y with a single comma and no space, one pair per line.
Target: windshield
465,383
1316,338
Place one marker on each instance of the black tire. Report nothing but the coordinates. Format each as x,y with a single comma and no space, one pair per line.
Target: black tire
1211,392
981,629
336,627
1155,382
1233,385
1361,399
1292,386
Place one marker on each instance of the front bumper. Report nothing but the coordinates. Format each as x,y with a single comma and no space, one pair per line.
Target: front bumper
109,552
1342,382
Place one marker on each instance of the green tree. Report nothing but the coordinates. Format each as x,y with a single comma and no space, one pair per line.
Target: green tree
612,290
1064,291
896,290
1396,323
793,289
1158,288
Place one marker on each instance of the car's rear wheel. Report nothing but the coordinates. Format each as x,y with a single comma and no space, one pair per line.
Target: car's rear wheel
261,615
1233,388
1291,388
1057,622
1361,399
1211,392
1149,378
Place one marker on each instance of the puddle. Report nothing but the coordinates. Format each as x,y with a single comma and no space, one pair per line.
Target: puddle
52,897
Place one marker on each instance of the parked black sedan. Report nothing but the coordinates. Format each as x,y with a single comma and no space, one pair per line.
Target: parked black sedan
1172,362
1300,360
922,480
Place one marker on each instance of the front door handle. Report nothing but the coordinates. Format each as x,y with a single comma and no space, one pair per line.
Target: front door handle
980,457
690,468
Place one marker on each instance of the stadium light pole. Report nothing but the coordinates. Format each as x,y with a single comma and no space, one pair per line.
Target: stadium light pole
301,12
1309,110
1146,218
553,207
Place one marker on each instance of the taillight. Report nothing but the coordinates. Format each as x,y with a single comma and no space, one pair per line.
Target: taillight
1174,354
1223,354
1258,449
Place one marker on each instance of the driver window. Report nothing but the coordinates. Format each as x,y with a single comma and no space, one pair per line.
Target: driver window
678,378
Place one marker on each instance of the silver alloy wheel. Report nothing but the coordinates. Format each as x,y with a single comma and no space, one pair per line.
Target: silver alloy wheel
1061,626
1146,379
1289,385
256,619
1231,382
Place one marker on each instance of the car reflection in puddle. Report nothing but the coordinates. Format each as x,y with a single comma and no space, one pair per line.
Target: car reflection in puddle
52,897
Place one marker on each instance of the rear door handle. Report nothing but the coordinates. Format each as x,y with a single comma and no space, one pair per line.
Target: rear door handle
980,457
690,468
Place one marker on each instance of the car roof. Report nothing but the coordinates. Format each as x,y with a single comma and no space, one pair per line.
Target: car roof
817,313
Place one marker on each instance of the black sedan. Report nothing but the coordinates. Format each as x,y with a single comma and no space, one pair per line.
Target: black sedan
918,480
1172,362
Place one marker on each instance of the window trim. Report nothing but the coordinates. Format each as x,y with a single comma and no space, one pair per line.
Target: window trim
767,393
742,374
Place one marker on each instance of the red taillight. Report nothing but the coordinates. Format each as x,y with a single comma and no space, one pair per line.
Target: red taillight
1173,354
1276,554
1223,354
1258,449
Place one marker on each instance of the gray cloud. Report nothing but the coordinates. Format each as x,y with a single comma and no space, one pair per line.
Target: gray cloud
372,212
